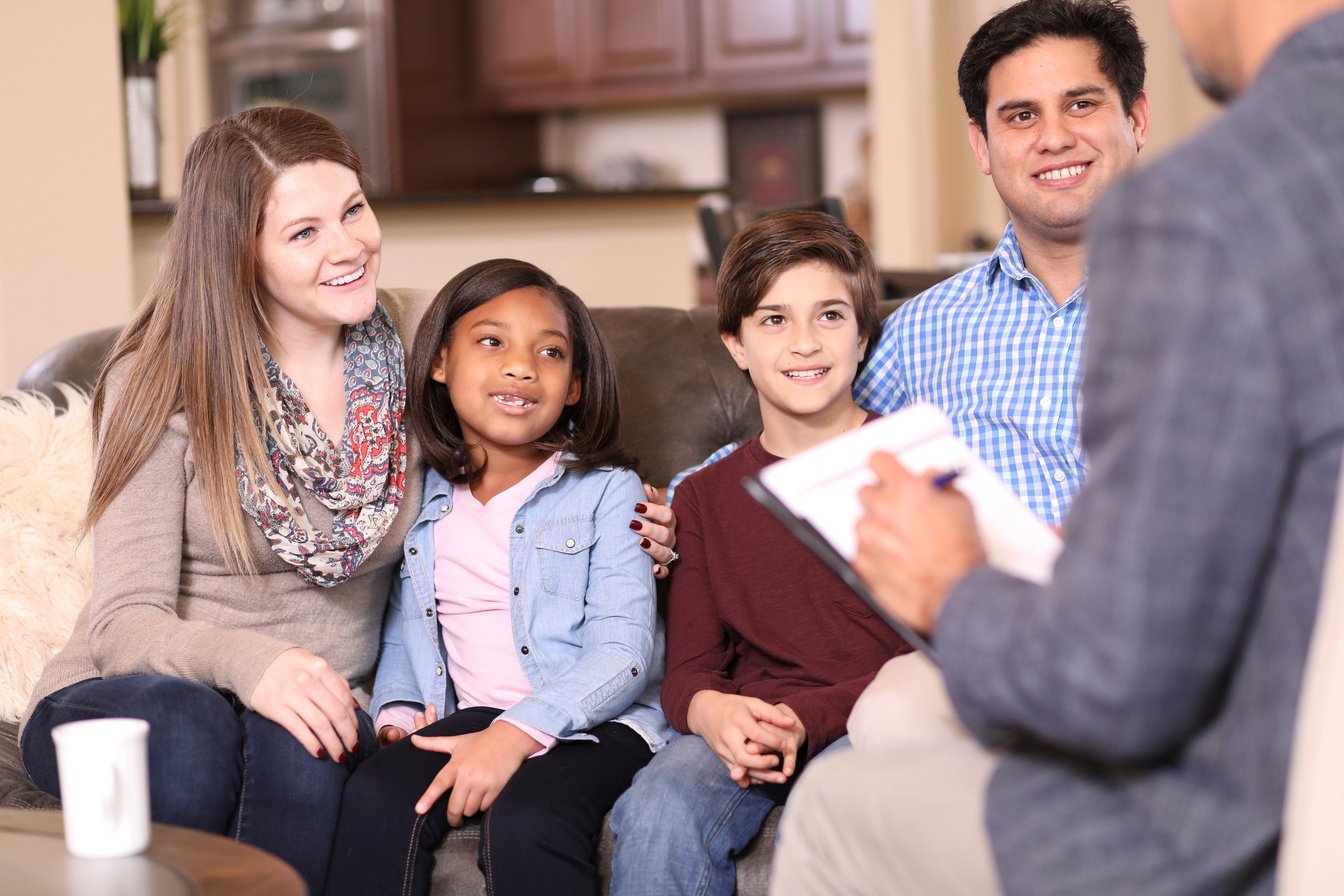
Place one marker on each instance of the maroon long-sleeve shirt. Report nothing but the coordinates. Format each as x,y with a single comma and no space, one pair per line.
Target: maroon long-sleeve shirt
753,611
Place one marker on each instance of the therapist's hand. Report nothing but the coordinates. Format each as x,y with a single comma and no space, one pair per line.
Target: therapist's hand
915,541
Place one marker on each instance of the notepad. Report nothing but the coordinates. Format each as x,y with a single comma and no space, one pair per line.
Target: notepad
815,495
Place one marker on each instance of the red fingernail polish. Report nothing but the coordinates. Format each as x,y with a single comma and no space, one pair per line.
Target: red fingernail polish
340,760
641,508
645,543
321,753
636,525
355,748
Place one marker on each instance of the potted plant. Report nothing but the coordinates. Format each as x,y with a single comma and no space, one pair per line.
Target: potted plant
147,31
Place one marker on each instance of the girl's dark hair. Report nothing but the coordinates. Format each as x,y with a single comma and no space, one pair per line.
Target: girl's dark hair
589,430
1107,23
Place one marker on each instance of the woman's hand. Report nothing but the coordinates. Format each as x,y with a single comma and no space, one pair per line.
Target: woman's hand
659,530
481,764
302,693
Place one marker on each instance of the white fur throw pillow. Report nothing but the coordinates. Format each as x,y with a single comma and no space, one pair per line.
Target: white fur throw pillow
46,470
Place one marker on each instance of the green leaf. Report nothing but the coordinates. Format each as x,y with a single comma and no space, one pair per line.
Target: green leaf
147,31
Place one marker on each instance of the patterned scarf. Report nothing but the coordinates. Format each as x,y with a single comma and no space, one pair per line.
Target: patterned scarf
361,482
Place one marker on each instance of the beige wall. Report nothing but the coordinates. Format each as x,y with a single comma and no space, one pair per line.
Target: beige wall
66,260
64,237
620,251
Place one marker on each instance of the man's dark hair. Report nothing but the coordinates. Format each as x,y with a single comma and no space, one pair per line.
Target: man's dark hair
1107,23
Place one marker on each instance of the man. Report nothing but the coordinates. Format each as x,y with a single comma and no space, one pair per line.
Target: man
1144,701
1053,91
997,346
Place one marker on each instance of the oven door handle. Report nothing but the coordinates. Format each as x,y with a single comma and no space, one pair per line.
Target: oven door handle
328,40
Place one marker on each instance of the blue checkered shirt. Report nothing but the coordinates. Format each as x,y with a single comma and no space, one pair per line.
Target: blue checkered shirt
992,349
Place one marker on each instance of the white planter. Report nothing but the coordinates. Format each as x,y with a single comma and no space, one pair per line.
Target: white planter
142,131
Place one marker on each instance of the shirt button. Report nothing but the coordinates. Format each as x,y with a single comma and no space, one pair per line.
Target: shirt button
1059,323
515,592
569,542
634,673
443,509
428,613
1045,403
518,529
1059,476
438,670
412,551
525,650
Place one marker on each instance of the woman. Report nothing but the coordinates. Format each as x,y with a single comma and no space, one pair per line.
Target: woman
248,492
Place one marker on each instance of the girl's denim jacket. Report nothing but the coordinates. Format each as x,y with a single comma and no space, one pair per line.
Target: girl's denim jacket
585,622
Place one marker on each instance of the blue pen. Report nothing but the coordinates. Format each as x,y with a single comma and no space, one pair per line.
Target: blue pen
943,480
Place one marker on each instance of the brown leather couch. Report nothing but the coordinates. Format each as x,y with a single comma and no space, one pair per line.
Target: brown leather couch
681,398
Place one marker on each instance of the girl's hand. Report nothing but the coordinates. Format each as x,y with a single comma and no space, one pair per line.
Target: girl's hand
302,693
481,764
428,716
390,734
748,735
659,530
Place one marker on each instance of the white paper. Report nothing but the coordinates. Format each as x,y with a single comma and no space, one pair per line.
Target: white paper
821,486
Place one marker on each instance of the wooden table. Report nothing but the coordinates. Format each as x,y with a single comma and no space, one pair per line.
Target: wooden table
33,861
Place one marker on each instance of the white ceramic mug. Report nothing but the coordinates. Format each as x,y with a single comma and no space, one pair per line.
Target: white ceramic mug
104,771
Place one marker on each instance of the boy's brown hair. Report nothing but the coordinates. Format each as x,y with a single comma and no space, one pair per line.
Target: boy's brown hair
769,246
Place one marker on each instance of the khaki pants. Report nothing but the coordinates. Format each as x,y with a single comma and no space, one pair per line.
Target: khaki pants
901,814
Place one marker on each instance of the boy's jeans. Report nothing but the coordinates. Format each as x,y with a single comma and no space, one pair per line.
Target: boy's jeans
683,820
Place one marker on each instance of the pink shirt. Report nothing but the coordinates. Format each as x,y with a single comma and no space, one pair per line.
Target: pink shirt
471,586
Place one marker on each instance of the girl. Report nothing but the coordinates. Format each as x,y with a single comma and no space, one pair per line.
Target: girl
524,614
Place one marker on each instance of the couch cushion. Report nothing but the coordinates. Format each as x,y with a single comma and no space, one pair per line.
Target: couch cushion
16,791
46,469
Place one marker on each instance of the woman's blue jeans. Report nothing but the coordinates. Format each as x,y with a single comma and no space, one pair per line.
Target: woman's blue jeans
213,764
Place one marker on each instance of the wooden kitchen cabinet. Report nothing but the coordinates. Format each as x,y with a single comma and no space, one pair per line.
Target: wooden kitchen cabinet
548,53
551,54
442,137
635,40
785,45
527,45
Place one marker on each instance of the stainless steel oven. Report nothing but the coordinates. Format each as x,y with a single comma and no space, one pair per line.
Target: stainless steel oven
323,55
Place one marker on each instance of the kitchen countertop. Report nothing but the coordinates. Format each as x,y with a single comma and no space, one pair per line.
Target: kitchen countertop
167,206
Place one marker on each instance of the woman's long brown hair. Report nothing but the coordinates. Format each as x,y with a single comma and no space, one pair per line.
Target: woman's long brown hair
193,344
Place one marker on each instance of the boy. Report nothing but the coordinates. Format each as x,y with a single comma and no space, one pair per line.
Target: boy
767,649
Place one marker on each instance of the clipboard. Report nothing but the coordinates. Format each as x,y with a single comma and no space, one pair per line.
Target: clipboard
815,495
